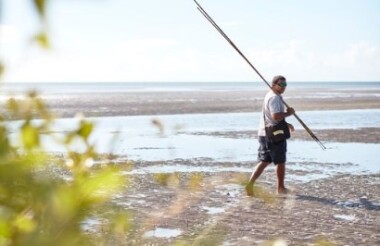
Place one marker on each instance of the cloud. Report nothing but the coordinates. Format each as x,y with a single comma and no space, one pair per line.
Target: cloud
356,55
171,60
358,61
300,60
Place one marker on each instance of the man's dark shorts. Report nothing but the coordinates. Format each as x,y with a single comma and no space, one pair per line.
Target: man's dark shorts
272,152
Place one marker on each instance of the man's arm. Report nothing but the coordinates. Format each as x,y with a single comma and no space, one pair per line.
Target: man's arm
281,116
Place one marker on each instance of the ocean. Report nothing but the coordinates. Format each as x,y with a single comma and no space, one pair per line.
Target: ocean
96,87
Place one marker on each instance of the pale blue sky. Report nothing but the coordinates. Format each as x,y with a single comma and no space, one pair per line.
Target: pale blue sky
169,40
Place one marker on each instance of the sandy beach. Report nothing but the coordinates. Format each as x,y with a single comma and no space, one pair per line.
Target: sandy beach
201,201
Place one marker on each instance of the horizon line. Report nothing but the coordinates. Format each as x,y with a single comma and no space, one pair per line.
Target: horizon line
292,81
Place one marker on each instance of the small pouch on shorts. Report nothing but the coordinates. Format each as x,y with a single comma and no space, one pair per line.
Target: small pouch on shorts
277,133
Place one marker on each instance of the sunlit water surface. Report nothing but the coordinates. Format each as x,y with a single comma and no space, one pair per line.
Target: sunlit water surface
138,139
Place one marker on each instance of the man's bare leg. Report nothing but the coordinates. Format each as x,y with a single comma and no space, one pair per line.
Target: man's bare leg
255,175
281,178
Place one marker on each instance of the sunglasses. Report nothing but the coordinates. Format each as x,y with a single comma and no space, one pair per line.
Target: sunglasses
282,84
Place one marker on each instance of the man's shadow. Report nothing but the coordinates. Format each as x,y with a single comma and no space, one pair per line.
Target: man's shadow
363,202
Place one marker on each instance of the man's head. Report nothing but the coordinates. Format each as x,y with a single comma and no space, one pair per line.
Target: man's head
279,84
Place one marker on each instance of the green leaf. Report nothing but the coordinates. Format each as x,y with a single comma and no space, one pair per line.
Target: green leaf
102,185
24,223
65,202
30,136
13,106
4,142
85,129
5,230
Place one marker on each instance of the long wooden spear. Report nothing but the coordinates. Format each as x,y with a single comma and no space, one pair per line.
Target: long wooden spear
208,17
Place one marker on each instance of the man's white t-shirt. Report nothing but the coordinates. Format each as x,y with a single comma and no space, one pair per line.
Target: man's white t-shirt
272,105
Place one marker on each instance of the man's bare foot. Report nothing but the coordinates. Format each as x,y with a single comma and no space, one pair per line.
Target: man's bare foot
282,191
249,189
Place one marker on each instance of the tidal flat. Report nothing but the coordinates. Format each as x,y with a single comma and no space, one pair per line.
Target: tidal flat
190,153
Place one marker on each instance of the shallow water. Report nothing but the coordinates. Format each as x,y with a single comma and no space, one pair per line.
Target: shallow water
214,210
345,217
332,119
163,233
91,225
142,125
137,138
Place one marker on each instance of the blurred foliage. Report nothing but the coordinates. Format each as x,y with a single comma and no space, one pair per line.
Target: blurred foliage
195,181
42,37
323,241
167,179
159,125
42,40
275,242
37,208
2,68
41,7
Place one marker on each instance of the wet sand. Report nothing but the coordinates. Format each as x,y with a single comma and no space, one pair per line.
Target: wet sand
360,135
187,102
344,210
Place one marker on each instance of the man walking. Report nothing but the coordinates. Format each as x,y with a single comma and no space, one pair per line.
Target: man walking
274,112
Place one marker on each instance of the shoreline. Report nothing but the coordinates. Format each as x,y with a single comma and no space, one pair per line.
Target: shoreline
192,102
